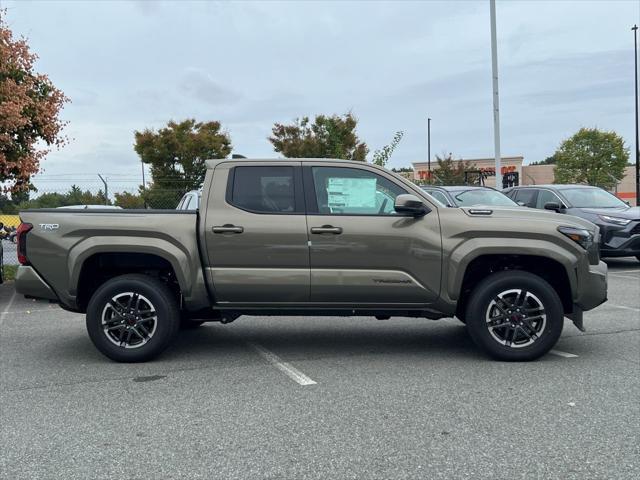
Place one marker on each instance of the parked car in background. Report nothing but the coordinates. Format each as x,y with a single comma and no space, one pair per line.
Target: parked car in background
190,200
468,196
619,223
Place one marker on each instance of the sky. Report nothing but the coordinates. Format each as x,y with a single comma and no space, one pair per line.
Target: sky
131,65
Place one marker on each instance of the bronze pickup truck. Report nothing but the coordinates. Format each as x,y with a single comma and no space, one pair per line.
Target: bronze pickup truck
313,237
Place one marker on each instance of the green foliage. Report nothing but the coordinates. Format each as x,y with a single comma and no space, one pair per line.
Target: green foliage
128,200
327,137
382,156
177,155
10,272
592,156
552,160
450,171
158,197
75,196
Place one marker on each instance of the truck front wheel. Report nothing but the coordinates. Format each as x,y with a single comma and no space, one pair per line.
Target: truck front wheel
514,316
132,318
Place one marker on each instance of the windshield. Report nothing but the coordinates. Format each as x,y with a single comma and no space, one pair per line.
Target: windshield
470,198
592,198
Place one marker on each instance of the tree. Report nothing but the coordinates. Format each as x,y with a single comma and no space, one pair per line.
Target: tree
75,196
382,156
326,137
450,171
177,155
552,160
29,109
128,200
592,156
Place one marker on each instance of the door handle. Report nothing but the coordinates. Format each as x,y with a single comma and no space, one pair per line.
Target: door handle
227,228
327,229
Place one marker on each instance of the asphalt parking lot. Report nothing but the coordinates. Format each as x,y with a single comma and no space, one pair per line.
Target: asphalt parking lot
293,398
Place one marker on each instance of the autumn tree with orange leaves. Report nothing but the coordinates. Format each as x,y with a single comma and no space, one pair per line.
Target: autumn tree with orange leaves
29,109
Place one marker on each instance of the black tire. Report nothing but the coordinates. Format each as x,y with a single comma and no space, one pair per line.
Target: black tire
149,291
528,333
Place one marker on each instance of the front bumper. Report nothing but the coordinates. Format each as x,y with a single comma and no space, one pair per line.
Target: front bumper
618,241
30,284
592,287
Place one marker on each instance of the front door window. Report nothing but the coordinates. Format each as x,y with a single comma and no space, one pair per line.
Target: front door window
351,191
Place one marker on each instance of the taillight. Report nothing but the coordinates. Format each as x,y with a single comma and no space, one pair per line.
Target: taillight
21,240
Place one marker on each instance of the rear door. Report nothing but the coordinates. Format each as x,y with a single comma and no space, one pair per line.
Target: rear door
256,234
527,196
361,250
547,196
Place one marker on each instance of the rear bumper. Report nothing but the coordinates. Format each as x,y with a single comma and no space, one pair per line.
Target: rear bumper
592,287
30,284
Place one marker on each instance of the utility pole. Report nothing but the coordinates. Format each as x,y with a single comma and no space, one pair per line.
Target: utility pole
496,101
106,190
635,57
144,186
429,149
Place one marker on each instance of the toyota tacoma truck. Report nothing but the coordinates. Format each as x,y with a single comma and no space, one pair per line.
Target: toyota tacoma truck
312,237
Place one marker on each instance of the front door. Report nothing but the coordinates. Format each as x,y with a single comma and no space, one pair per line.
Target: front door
361,250
256,234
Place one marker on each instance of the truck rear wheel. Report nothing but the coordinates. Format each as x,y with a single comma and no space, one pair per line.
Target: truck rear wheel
514,316
132,318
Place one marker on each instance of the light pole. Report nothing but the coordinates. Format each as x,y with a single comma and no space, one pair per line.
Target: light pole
429,150
635,57
106,189
496,102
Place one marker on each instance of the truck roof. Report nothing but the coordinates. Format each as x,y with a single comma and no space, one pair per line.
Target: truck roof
213,162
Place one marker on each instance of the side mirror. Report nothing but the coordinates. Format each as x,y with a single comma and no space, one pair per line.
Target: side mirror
411,205
521,203
555,206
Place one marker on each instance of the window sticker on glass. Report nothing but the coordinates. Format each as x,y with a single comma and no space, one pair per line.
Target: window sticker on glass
351,193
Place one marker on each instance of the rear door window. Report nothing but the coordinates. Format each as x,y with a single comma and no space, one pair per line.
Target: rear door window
268,189
439,196
527,196
546,196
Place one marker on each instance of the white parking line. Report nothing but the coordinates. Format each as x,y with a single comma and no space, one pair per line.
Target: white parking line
560,353
624,307
16,312
7,308
290,371
622,275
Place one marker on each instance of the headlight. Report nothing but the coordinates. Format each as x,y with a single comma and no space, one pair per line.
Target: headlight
582,237
614,220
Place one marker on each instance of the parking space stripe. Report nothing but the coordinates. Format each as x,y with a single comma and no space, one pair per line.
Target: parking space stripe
7,308
622,275
624,307
290,371
560,353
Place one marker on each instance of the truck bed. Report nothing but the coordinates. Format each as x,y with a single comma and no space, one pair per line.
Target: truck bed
62,241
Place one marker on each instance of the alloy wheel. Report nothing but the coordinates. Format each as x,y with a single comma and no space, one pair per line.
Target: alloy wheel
516,318
129,320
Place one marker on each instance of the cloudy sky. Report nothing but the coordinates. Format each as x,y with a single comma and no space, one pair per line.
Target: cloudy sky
128,65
